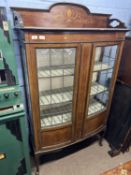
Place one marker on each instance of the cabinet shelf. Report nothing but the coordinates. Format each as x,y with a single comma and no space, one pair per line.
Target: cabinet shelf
63,95
56,120
97,88
56,71
56,115
101,66
95,107
55,96
56,110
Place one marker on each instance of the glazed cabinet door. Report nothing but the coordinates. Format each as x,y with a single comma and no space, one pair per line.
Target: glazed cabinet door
104,68
53,76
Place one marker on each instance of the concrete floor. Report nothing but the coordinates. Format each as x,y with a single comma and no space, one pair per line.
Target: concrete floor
90,160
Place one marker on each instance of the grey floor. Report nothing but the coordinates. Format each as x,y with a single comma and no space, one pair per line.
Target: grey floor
92,160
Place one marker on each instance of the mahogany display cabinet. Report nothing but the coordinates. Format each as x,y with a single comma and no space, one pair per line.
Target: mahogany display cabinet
71,62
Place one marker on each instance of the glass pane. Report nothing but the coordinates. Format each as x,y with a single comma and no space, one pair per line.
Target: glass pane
55,68
102,73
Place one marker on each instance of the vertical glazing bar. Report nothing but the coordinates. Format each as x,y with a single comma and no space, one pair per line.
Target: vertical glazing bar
63,81
50,64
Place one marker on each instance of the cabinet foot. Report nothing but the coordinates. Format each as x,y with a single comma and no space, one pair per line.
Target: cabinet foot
101,137
100,140
37,164
37,173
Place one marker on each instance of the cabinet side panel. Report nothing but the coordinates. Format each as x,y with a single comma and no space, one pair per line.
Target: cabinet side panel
31,67
125,65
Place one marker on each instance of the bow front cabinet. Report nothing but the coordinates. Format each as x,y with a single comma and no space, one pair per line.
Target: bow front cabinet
71,62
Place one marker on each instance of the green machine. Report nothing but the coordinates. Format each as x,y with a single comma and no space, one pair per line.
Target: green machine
14,151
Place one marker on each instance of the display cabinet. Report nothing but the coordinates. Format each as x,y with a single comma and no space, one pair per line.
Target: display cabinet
71,62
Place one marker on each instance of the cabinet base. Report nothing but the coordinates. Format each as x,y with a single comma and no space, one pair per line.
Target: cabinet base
52,155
